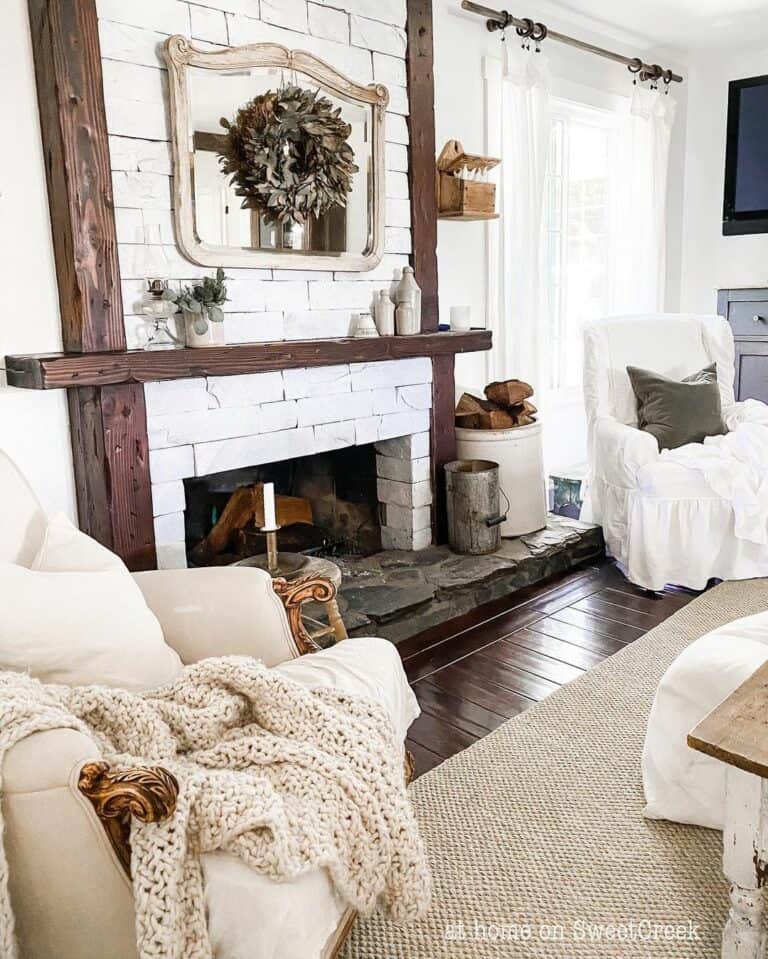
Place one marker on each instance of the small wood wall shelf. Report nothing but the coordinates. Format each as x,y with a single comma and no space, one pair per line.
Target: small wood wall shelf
461,199
47,371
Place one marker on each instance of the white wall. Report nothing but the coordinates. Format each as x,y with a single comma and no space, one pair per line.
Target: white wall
33,424
460,43
711,261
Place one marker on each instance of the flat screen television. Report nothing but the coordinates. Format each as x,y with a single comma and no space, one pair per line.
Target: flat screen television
745,209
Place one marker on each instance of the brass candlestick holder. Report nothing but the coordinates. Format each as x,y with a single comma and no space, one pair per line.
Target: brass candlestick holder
273,563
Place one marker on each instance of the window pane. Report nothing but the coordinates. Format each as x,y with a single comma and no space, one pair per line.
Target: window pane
575,242
554,202
556,148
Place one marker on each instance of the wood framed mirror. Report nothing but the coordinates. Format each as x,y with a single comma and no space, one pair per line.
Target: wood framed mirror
223,220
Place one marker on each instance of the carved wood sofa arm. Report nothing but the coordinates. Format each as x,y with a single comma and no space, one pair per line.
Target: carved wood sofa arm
147,792
293,596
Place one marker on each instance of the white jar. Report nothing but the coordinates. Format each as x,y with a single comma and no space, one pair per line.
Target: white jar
461,317
213,336
365,326
406,320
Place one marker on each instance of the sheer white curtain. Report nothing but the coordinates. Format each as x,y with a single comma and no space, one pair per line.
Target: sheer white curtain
519,117
639,187
518,96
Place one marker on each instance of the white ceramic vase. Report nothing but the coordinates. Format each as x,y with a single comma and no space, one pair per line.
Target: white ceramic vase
213,336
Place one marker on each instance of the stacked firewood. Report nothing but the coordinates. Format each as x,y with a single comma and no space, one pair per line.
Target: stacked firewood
506,406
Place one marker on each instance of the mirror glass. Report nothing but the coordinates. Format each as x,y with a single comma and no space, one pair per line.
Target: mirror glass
220,217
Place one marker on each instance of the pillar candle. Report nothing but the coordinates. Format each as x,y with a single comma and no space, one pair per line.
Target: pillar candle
270,519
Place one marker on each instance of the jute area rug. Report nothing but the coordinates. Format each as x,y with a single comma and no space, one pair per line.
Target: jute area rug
536,836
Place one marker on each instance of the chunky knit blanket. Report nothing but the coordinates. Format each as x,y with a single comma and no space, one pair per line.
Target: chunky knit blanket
286,778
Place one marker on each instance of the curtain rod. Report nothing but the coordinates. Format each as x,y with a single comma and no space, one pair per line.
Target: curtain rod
500,20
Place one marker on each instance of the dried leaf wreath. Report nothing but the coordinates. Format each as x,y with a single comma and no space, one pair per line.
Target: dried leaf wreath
288,155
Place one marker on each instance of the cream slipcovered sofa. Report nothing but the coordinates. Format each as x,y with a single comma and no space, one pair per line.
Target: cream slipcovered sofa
70,892
662,520
682,784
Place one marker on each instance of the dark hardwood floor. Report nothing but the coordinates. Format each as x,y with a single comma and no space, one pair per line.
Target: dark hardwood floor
476,672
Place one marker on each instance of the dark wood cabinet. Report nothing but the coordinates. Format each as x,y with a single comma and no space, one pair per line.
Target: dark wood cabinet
747,313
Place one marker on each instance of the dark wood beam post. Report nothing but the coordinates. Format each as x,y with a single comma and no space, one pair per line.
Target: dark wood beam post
108,425
421,94
65,41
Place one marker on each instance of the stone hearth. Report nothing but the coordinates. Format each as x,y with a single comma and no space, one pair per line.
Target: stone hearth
397,594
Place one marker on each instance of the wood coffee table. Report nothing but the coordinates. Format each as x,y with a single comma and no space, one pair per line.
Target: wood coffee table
736,733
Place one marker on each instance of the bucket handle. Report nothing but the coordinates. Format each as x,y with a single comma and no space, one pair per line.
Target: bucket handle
499,519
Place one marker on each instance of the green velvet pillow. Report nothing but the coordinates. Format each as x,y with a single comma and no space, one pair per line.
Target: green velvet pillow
677,412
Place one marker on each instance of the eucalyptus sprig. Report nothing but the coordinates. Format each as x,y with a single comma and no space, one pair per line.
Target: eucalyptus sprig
204,300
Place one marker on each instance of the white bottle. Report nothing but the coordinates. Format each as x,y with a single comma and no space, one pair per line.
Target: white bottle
384,313
408,292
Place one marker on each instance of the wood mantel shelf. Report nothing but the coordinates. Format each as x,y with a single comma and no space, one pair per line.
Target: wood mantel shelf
48,371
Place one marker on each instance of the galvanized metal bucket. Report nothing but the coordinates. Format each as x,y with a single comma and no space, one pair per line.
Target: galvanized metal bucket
474,521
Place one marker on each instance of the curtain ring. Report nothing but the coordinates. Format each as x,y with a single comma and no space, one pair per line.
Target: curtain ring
539,32
635,65
493,25
657,71
527,29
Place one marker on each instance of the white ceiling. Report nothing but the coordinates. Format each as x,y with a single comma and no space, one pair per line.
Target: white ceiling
683,24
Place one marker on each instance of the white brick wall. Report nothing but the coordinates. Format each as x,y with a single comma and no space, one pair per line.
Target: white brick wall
328,22
291,14
203,425
209,25
248,389
168,498
403,466
363,38
321,381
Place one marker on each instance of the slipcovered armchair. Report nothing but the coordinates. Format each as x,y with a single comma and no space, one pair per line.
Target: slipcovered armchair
67,816
662,520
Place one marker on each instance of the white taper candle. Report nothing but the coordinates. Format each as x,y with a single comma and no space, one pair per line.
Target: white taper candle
270,519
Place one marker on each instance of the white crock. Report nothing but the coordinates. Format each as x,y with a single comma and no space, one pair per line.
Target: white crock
213,336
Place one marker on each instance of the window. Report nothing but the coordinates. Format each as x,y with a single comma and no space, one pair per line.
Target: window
576,232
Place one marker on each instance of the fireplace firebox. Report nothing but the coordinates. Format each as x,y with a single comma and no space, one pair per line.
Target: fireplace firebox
327,505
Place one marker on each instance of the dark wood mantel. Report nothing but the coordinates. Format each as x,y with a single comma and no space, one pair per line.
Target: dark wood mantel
46,371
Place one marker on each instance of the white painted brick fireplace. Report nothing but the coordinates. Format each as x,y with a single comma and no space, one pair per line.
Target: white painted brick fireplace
207,425
363,38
